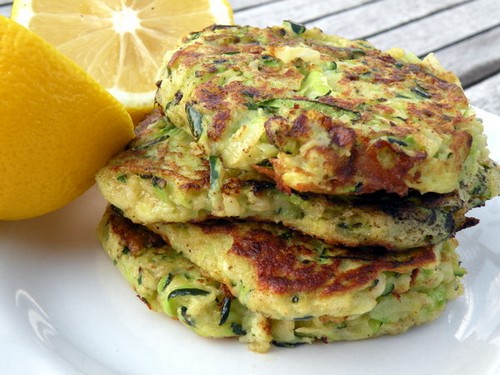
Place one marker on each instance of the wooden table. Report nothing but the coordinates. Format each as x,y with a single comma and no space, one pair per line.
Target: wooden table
464,34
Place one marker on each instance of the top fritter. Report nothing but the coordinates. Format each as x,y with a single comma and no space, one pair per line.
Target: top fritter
323,114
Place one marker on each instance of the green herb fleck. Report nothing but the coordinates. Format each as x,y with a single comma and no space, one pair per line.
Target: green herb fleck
287,344
357,53
343,225
195,120
238,329
214,172
194,35
116,210
248,93
268,105
297,28
331,65
187,292
225,310
122,178
286,235
307,317
397,141
186,318
167,281
389,287
421,92
270,61
358,187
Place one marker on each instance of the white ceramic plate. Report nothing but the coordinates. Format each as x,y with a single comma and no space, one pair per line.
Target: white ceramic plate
65,309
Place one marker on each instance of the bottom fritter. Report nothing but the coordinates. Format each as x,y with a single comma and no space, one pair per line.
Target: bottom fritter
394,294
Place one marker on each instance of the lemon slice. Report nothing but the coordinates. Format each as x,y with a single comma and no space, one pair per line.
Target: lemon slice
58,125
121,43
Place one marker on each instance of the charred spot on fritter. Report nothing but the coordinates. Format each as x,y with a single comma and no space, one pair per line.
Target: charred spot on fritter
135,237
286,261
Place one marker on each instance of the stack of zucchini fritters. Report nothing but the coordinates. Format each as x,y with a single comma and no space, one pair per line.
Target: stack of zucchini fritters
293,186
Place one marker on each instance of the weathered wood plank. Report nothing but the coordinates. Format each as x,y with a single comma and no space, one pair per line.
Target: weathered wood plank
242,4
296,10
382,15
474,58
442,29
486,95
5,10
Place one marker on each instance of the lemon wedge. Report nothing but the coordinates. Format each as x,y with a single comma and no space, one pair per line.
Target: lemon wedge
58,125
121,43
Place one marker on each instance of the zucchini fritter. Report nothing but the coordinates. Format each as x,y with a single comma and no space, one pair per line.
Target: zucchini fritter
164,177
323,114
286,275
404,291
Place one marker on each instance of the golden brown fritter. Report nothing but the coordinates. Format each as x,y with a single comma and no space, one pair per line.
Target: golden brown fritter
168,282
322,114
286,275
164,177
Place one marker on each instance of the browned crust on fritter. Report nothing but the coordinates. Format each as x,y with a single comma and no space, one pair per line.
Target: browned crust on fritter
289,263
161,166
354,154
134,237
149,169
235,49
